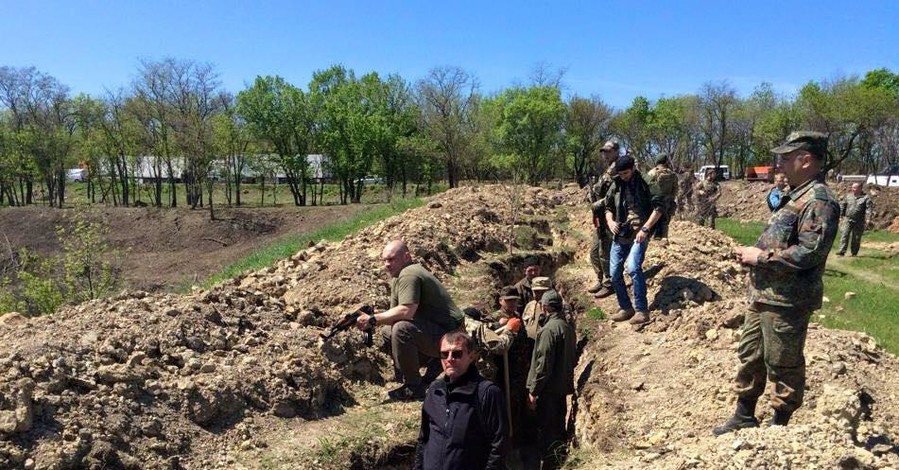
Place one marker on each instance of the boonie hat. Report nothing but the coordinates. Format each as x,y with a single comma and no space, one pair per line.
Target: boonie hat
552,299
509,293
540,283
814,142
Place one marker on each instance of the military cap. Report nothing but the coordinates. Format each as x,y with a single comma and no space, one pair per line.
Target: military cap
552,299
624,162
814,142
509,293
611,144
540,283
662,159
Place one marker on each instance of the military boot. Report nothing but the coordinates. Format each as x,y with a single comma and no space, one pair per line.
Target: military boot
603,292
780,418
744,417
595,288
623,315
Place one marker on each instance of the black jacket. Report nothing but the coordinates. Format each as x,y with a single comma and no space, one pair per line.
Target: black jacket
646,200
457,432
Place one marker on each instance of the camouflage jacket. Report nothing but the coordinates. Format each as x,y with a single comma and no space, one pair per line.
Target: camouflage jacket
598,194
795,245
489,343
858,209
707,192
662,181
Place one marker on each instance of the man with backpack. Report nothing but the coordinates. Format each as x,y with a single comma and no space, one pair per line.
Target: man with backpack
663,181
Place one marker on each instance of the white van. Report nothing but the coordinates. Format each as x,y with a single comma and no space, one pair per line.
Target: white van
78,175
723,172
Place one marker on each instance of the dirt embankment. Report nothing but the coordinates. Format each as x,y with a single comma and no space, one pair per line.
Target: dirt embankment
209,380
746,201
160,249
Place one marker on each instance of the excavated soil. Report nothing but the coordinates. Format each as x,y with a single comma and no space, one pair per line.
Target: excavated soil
746,201
237,377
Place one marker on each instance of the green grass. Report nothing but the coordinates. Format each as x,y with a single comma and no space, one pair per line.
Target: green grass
291,245
873,276
745,233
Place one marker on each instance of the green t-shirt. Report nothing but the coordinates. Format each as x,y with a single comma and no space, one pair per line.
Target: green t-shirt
437,313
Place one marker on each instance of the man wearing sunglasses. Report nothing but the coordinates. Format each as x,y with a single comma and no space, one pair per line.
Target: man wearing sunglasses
463,418
786,285
421,311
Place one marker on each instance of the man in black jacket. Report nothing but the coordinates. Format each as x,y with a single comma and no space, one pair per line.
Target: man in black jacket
631,211
463,419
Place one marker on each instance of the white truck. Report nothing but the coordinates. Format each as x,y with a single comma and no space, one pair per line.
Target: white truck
723,172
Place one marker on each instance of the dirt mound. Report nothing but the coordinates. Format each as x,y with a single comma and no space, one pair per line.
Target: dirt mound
746,201
205,380
148,381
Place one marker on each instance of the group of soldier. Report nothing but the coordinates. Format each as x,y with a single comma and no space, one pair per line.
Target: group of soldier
496,384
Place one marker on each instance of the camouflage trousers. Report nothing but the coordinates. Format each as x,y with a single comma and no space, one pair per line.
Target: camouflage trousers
771,347
599,257
851,236
660,230
706,215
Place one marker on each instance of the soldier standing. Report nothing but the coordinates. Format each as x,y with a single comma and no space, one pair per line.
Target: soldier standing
857,209
602,238
707,194
663,181
685,192
786,285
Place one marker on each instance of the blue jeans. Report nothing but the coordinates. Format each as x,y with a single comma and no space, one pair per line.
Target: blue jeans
628,255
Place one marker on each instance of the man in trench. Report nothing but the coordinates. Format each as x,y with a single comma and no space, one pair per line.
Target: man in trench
421,312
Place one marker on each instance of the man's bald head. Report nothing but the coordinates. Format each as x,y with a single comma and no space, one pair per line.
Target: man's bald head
395,257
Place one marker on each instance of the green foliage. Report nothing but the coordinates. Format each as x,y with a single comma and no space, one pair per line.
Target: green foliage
528,131
87,271
596,313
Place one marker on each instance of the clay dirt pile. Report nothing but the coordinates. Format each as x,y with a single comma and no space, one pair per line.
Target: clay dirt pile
167,381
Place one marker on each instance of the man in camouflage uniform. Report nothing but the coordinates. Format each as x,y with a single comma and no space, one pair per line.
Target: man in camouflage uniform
602,238
707,194
786,286
857,209
531,270
491,344
663,181
531,315
685,192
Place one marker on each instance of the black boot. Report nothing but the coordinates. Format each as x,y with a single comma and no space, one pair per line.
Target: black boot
780,418
743,418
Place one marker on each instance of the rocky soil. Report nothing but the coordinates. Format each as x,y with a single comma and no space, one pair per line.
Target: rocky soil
227,377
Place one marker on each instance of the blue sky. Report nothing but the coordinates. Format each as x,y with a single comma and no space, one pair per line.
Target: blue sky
614,49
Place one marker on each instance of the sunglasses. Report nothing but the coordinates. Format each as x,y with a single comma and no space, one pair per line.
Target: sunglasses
456,354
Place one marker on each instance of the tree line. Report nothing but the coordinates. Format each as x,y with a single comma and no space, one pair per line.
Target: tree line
177,122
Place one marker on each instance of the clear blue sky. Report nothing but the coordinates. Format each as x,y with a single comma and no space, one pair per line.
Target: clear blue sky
614,49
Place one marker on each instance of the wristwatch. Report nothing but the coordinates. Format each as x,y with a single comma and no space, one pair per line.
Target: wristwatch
644,229
372,321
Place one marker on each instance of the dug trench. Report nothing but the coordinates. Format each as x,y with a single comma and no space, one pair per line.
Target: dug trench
237,376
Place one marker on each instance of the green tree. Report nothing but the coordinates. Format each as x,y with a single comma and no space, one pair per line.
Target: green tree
586,124
281,116
529,130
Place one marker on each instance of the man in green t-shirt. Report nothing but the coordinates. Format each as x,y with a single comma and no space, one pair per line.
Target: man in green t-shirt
421,312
